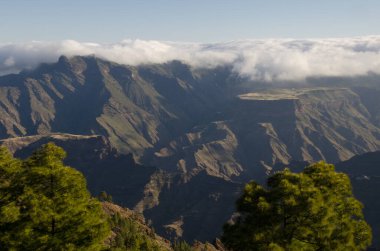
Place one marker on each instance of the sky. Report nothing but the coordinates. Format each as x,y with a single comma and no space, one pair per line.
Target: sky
266,40
179,20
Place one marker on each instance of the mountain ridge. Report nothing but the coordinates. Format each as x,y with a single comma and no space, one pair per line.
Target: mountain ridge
170,131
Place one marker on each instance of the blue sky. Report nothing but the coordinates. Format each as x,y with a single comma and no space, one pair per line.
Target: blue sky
195,20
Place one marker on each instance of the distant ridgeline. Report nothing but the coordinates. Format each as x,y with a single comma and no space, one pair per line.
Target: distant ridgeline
152,135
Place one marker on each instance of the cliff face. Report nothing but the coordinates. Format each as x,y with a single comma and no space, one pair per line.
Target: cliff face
310,124
261,130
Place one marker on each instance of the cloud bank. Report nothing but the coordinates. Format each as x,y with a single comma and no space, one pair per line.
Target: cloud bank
264,60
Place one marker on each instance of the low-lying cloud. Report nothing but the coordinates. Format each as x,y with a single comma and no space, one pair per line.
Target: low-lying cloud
264,60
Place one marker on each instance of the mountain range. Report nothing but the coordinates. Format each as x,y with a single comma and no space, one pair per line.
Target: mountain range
178,144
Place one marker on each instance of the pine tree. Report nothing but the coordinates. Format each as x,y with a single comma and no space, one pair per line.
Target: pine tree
312,210
56,210
11,190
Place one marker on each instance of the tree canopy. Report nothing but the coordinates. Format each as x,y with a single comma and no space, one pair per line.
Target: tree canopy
46,206
311,210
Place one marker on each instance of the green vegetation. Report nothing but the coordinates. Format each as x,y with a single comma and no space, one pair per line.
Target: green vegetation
104,196
129,235
312,210
45,205
182,246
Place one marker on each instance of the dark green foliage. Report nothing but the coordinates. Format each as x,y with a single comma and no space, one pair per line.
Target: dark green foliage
103,196
47,205
131,236
312,210
11,190
182,246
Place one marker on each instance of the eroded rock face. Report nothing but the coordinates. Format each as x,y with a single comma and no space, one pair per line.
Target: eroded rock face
310,124
275,127
136,108
209,148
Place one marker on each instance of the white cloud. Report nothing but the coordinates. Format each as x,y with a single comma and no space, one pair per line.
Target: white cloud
9,62
274,59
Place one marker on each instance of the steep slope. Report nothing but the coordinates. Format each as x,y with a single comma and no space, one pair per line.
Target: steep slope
135,107
194,209
370,99
313,124
126,223
209,148
128,227
263,129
